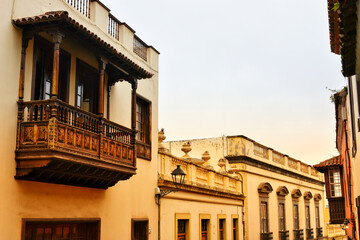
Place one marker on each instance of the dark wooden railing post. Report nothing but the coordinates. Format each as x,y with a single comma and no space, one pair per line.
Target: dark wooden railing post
24,45
102,66
134,84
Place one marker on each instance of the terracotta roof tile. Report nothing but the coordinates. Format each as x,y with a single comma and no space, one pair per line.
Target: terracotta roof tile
48,17
332,162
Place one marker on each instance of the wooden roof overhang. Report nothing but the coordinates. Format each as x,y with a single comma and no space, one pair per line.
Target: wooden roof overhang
120,64
343,32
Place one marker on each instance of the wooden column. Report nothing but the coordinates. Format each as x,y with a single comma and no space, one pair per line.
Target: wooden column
25,41
102,66
134,84
57,38
108,102
133,104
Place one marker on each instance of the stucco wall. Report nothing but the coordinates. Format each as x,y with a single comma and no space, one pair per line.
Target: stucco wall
19,199
194,205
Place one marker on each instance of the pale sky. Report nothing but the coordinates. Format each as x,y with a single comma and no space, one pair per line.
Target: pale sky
234,67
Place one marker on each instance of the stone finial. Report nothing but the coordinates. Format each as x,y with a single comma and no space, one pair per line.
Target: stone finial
161,138
186,148
221,164
206,157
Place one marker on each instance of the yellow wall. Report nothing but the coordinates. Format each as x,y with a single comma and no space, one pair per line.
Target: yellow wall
19,199
195,205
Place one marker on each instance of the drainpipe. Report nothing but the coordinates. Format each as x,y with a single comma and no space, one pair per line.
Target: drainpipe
352,220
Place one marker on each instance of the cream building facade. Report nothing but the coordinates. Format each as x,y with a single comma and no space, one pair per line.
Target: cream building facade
77,85
209,205
284,197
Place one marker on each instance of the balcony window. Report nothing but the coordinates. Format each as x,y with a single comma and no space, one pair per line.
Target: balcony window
43,64
335,182
87,87
142,120
264,217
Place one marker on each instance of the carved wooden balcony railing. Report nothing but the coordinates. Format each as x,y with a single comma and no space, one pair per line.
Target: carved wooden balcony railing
337,210
309,233
266,236
298,234
143,150
283,235
63,144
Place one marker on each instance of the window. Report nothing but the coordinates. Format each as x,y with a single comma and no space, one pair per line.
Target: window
43,66
204,229
139,229
142,120
235,231
335,182
296,215
221,229
264,219
307,216
87,87
317,216
282,226
64,230
182,229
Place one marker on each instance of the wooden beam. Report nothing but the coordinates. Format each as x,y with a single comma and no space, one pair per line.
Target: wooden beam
102,66
57,38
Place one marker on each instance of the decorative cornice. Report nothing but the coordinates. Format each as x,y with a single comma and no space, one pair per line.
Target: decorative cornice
282,191
265,187
166,184
256,163
296,193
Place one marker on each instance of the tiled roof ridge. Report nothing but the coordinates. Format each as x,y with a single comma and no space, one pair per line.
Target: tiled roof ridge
334,161
58,15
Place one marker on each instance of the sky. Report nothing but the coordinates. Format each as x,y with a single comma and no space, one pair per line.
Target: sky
262,69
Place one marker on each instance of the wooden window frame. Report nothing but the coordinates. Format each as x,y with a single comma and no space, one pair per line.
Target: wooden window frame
237,232
133,221
282,201
205,217
147,124
264,199
296,224
59,221
183,216
307,218
221,217
333,183
94,71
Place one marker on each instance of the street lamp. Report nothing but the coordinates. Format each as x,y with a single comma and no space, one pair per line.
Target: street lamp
178,178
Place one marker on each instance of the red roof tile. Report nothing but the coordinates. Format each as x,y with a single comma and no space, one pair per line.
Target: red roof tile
50,17
332,162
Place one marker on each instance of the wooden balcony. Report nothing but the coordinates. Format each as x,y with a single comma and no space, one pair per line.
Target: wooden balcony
337,210
63,144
